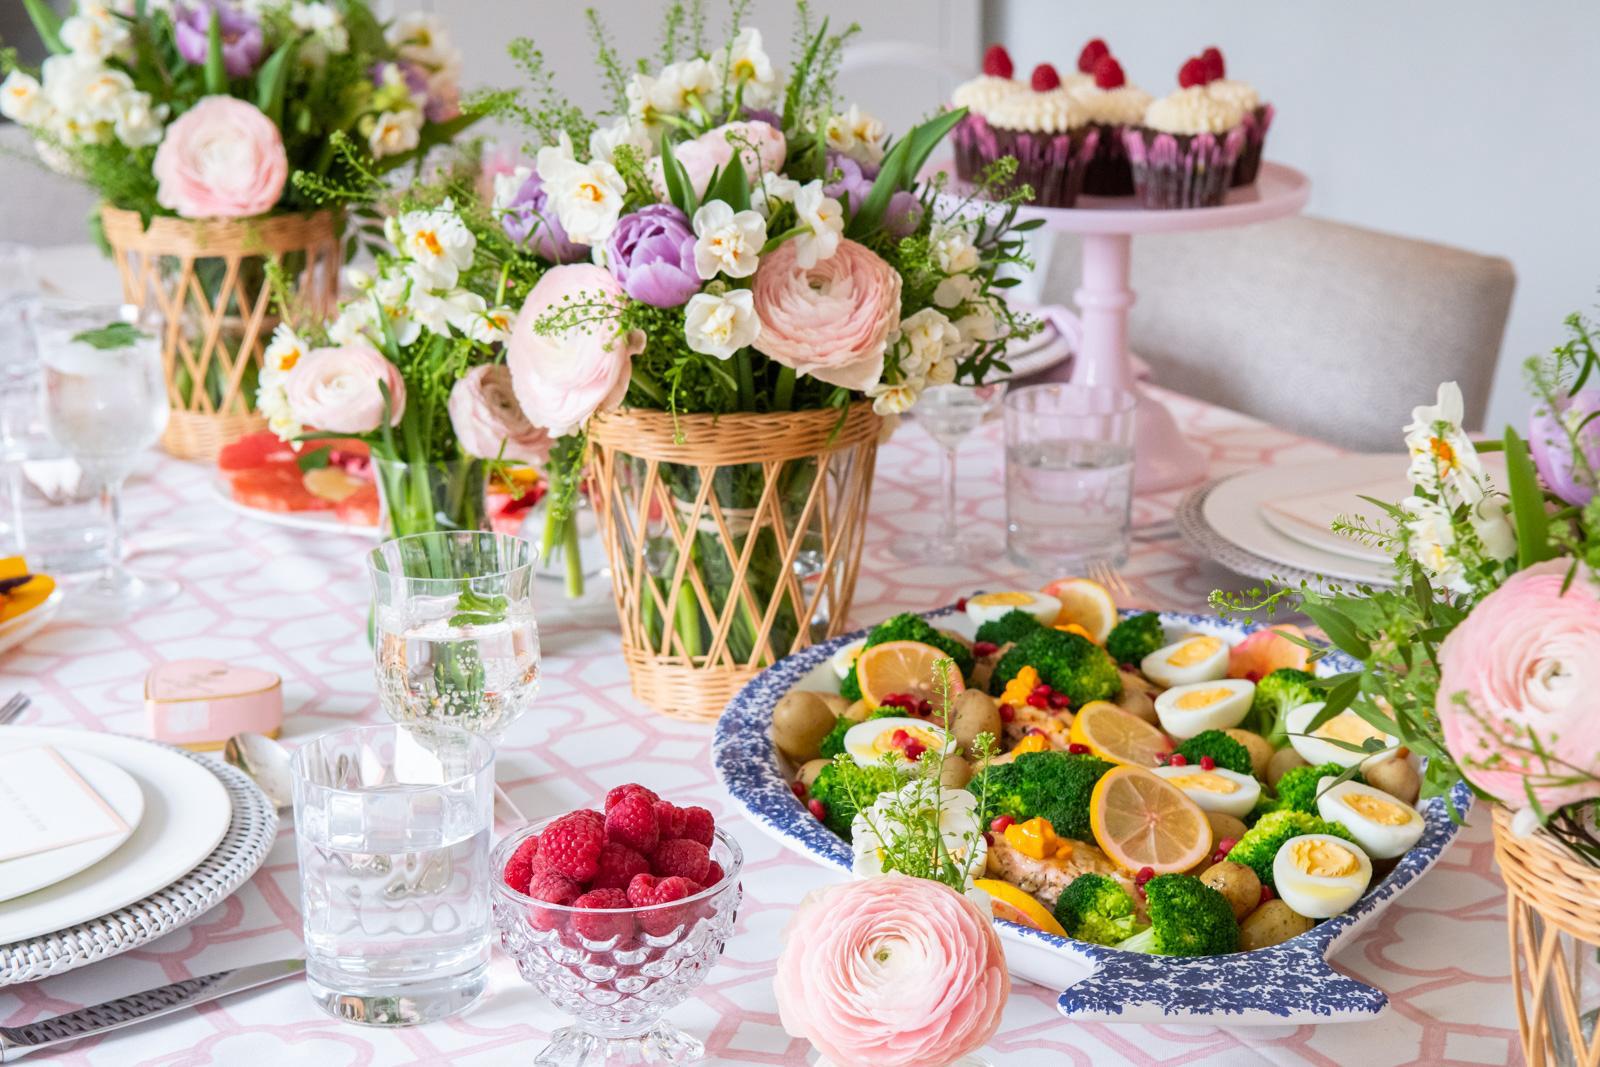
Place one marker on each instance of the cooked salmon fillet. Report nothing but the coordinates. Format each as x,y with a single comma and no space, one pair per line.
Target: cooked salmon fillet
1045,879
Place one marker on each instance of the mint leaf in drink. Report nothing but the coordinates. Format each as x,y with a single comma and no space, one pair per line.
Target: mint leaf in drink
115,335
474,609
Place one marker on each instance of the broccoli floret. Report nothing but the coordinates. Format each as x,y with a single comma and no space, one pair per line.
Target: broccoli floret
840,781
1187,918
1096,908
1135,637
1259,845
1276,695
1068,663
1054,785
850,687
1014,625
1228,753
1297,789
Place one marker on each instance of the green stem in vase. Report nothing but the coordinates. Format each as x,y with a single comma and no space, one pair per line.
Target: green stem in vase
783,391
572,559
747,380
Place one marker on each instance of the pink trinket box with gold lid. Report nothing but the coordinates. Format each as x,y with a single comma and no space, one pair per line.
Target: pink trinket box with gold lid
200,703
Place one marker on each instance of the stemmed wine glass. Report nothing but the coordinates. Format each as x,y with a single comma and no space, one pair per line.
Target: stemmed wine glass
105,402
949,413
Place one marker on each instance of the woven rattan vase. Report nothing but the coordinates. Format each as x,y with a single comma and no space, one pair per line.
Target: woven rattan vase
207,280
1553,909
734,540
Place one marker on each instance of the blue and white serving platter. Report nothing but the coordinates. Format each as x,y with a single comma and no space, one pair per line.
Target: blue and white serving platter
1288,983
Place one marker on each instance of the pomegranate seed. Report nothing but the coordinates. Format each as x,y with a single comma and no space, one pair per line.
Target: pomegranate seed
1042,690
1162,758
1225,846
1266,894
984,648
925,708
1038,700
800,789
1007,713
818,809
988,838
1060,701
1402,753
999,823
1178,759
914,750
1078,749
900,737
1207,763
1144,875
961,604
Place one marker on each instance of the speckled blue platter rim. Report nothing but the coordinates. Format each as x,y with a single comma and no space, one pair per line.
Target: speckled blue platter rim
1288,981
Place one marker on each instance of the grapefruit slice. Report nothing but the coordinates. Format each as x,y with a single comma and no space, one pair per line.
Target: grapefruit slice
1012,904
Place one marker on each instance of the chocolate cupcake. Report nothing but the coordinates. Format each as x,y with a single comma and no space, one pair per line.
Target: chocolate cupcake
1183,153
1113,106
979,96
1043,127
1256,116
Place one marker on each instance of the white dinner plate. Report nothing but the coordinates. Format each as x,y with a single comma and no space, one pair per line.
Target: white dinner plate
115,786
15,631
186,812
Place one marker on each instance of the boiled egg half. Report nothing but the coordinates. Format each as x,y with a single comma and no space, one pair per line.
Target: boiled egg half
991,607
1384,826
1186,710
844,657
1219,789
1199,658
1319,875
1318,747
868,742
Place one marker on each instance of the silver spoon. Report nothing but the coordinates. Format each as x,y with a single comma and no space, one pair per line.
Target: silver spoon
265,762
13,707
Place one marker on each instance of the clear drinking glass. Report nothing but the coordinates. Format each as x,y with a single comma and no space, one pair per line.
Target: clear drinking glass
1069,476
949,413
392,826
104,403
456,640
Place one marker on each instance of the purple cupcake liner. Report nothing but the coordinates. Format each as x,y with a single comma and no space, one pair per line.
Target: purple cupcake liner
1182,170
1051,164
1248,165
1109,172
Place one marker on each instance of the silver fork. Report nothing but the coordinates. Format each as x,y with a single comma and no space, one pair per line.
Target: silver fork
1111,578
13,707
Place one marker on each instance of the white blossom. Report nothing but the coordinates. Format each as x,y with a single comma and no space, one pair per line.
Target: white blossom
721,324
438,244
587,196
857,134
396,132
745,62
324,26
681,86
137,124
771,192
823,219
605,140
954,290
727,241
1492,526
22,99
893,399
953,250
1431,541
927,338
95,33
1443,459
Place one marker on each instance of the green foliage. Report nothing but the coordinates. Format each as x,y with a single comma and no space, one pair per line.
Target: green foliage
1013,626
1187,918
1069,663
843,787
1259,845
1053,785
833,741
1135,637
112,335
1279,693
1228,753
850,686
1095,908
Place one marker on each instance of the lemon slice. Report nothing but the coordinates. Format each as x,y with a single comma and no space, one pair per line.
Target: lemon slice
1012,904
902,667
1116,735
1141,820
1087,604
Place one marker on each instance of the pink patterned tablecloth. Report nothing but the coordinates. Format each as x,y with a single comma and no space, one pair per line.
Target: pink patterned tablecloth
295,603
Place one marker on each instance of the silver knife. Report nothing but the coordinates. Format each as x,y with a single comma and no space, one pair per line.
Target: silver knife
16,1041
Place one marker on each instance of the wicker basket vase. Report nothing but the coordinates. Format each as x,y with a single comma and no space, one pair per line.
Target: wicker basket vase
207,279
1553,909
734,540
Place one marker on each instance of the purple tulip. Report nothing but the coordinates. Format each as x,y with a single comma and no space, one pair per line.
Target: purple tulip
853,184
1551,446
903,215
439,102
651,252
242,43
761,114
531,215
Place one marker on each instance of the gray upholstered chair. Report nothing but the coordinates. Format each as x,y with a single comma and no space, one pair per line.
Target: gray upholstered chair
1328,330
44,208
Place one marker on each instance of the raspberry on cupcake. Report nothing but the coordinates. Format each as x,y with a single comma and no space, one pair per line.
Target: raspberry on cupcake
1257,116
1183,152
1113,105
1041,125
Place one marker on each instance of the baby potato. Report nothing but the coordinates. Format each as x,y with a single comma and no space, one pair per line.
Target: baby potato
975,713
1259,748
955,773
809,771
1137,697
800,721
1272,923
1283,761
858,711
1224,826
1236,882
836,703
1397,777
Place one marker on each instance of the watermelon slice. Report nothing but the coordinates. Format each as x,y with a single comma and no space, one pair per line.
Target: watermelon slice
275,488
259,449
360,508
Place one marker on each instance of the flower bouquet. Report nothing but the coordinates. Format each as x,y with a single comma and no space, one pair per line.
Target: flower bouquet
189,118
1485,659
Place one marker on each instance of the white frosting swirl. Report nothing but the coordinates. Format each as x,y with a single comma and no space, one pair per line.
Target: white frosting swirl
1054,111
1191,111
1125,105
1242,95
982,93
1076,80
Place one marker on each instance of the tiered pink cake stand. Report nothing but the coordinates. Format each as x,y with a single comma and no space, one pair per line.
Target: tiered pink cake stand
1163,458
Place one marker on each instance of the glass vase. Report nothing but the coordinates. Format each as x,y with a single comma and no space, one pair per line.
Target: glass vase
434,496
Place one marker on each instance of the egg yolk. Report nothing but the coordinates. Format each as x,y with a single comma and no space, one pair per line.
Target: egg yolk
1323,859
1195,651
1205,783
1202,698
1037,838
1348,727
1376,809
884,742
1002,599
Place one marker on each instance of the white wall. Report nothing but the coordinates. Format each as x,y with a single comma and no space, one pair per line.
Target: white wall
1471,122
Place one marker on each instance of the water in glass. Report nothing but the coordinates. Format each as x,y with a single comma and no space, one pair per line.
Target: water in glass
105,406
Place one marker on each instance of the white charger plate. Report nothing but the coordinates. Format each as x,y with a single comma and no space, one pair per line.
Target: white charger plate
186,813
115,786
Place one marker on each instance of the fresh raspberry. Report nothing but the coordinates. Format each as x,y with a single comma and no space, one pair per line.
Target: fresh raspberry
647,892
519,868
714,874
1192,73
699,825
997,62
552,888
1108,73
669,819
1215,67
642,890
628,790
1092,53
571,845
618,864
1045,78
605,924
681,857
632,821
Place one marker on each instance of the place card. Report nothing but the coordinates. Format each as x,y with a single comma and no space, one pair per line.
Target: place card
45,804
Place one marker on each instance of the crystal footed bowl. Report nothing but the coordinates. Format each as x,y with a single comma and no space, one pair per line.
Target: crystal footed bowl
617,972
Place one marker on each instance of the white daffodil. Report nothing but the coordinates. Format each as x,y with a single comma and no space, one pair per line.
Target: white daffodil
22,99
1430,538
954,290
508,184
587,196
644,107
356,321
138,125
324,26
943,372
605,140
727,241
1443,459
721,324
953,250
100,96
396,132
926,339
823,219
95,33
438,244
683,86
282,352
429,310
894,398
771,192
396,293
746,63
358,279
422,38
857,134
493,327
1492,525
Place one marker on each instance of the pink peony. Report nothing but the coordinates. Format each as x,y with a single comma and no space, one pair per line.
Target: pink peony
561,380
712,150
831,321
336,389
1527,660
486,418
891,971
221,159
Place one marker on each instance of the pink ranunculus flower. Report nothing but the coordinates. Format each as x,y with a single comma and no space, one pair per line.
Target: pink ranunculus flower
221,159
712,150
891,971
831,321
488,421
1526,660
562,379
336,389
